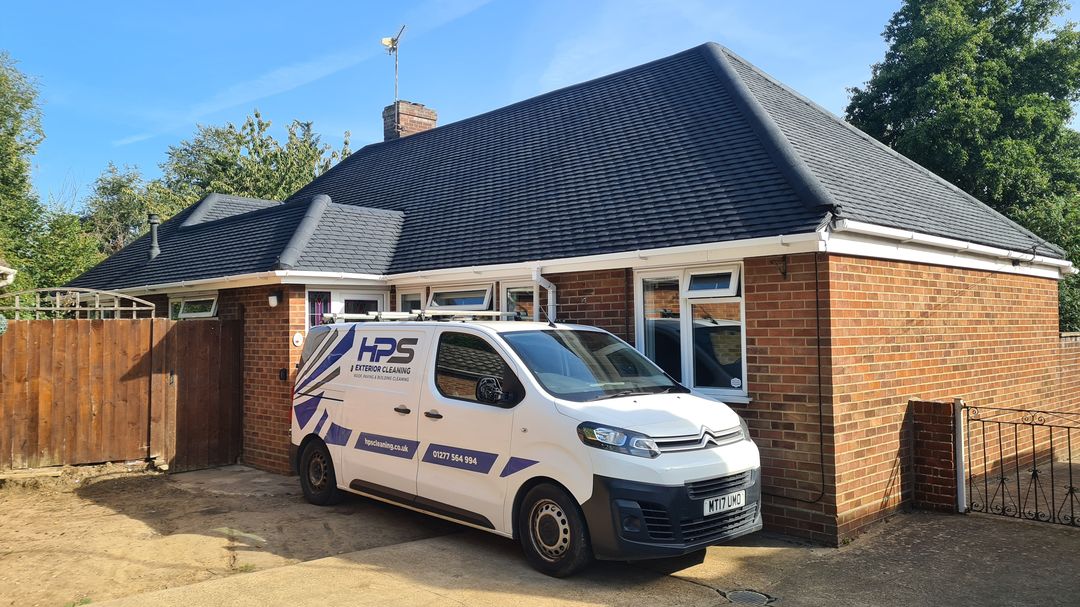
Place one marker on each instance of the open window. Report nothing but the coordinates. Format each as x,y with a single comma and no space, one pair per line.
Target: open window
691,323
201,305
518,298
460,298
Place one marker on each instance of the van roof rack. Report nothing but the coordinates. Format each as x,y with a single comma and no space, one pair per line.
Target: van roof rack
443,315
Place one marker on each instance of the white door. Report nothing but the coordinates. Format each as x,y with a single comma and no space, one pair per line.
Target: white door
464,432
382,409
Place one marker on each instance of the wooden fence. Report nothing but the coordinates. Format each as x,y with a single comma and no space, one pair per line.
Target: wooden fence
89,391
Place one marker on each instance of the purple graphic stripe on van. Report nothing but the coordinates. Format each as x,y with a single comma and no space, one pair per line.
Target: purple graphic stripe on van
456,457
335,355
387,445
337,435
322,422
305,410
516,464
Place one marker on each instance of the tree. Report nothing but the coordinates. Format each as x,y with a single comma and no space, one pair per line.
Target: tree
248,161
981,93
63,249
116,210
20,134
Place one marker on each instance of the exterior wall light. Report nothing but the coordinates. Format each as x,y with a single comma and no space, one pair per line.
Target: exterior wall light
274,299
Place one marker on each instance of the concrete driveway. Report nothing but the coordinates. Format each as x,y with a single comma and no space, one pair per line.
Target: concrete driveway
913,559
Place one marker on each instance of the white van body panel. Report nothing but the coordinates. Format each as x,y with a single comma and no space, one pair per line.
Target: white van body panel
369,391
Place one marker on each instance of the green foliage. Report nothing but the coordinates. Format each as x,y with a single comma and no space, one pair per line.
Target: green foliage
248,161
20,134
63,249
116,210
981,93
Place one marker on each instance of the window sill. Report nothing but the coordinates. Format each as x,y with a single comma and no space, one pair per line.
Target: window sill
728,399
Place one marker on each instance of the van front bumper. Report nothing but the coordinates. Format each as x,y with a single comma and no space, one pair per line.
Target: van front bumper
630,520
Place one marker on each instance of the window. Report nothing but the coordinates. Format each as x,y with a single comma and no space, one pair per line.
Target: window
690,323
519,300
318,304
203,305
410,302
462,298
468,368
327,301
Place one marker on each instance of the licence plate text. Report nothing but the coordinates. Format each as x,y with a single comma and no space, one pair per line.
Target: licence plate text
723,503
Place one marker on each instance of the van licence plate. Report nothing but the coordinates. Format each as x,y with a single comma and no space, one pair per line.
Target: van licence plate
724,503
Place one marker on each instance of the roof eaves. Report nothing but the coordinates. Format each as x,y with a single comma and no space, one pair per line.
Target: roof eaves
304,230
787,160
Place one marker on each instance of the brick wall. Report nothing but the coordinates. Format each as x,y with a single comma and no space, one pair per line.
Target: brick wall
602,298
932,456
903,332
787,412
267,349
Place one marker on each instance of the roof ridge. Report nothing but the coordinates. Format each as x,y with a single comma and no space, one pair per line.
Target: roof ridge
202,208
982,206
787,160
305,228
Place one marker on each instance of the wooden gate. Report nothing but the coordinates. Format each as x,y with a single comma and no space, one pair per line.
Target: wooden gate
88,391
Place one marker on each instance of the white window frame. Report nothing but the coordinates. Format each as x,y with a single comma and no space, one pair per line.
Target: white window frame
731,291
686,322
338,297
486,287
419,293
183,299
505,286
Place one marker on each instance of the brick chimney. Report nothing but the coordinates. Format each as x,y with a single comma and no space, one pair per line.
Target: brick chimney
409,119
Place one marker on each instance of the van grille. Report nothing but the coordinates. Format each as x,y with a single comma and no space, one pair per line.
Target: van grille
716,525
657,521
719,485
706,439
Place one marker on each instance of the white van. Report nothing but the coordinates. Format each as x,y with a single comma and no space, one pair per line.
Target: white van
561,436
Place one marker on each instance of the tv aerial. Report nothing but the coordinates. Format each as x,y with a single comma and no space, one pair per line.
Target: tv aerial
391,45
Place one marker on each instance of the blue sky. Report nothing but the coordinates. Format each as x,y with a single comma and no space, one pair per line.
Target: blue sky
122,81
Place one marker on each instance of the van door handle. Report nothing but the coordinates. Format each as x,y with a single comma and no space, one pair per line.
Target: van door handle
403,409
433,414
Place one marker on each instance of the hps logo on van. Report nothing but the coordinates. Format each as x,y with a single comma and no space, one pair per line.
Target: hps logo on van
385,358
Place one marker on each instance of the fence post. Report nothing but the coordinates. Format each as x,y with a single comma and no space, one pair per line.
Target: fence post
958,456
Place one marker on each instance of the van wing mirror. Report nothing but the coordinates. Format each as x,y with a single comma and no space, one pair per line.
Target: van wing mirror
489,390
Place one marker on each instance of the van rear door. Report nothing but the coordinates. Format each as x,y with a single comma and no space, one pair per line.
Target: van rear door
382,403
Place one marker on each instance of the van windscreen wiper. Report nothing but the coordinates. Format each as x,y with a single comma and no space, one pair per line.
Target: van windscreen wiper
622,394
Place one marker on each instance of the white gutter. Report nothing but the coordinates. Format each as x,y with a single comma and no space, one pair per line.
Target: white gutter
540,281
733,249
255,279
8,276
906,236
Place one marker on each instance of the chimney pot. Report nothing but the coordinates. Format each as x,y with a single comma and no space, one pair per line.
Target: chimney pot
404,118
154,221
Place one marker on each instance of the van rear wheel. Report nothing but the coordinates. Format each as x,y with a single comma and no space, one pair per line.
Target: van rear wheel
317,477
552,532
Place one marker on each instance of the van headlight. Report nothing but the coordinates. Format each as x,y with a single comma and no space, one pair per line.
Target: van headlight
615,439
745,428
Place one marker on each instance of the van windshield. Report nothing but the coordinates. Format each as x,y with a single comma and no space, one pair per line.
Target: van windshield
588,365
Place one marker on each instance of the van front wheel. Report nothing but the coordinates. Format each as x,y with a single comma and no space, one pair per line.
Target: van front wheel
552,532
317,477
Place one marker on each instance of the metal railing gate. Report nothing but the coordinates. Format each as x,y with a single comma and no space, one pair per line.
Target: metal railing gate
1020,463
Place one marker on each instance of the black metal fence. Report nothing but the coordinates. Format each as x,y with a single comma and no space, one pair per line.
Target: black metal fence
1023,463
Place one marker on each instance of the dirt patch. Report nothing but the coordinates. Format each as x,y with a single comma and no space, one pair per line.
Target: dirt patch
106,533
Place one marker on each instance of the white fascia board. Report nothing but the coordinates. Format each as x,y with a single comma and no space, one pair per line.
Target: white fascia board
906,236
904,247
258,279
641,259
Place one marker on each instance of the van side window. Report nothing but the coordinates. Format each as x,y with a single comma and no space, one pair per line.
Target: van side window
468,368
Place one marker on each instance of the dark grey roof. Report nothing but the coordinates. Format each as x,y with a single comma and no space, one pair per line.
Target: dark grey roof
694,148
243,241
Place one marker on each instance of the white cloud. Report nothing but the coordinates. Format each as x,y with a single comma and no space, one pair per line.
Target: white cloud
425,18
